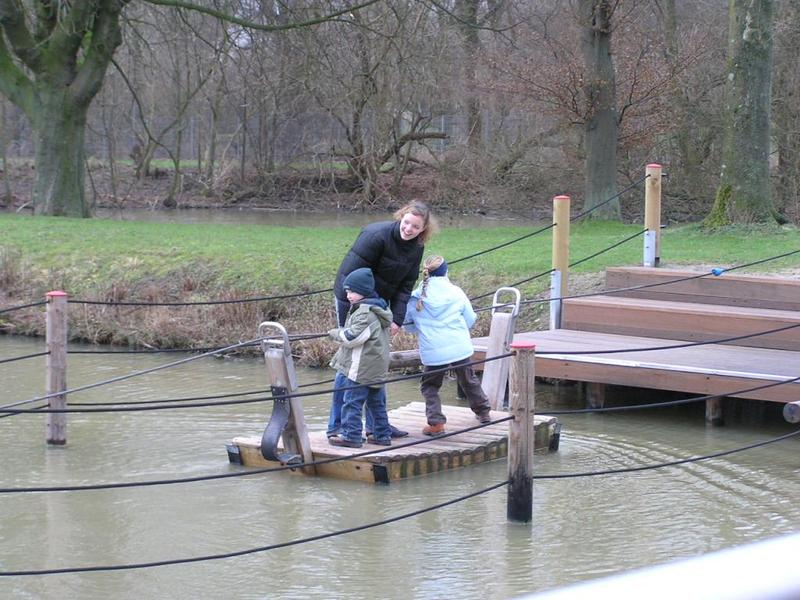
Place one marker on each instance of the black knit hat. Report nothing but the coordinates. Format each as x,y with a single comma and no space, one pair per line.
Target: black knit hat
361,282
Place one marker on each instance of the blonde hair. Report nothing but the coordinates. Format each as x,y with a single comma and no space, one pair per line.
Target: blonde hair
431,264
420,209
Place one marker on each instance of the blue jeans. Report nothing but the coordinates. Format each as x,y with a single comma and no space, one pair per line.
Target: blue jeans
335,418
354,401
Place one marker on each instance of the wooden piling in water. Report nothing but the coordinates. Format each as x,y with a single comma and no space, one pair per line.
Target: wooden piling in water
56,339
521,434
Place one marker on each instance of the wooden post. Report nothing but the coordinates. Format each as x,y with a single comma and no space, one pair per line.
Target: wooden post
791,411
521,433
56,332
652,216
714,414
560,275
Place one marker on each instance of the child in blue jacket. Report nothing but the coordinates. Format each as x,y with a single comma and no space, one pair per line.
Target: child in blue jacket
441,315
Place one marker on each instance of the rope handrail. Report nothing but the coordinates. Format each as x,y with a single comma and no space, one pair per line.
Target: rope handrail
574,264
504,244
672,346
614,197
291,467
437,506
31,305
671,463
200,302
123,377
9,408
195,559
714,272
26,356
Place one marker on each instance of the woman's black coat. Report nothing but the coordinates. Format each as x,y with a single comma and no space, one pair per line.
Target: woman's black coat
393,260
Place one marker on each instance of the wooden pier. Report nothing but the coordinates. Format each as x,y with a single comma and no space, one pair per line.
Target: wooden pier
436,454
692,310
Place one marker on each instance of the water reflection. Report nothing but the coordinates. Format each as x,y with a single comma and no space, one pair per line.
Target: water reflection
582,527
288,218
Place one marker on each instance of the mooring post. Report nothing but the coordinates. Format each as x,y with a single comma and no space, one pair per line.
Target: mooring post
652,216
521,433
560,275
56,361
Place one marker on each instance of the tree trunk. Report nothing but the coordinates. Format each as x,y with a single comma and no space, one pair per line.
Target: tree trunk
744,194
786,91
601,126
8,196
59,127
471,42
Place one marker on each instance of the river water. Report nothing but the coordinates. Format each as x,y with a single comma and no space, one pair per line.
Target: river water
582,528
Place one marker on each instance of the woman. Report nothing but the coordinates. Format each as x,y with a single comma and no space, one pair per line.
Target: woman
392,250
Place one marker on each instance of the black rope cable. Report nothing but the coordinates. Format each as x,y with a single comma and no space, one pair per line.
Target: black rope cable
191,398
671,463
669,403
8,407
291,467
660,283
16,358
614,197
151,350
503,245
4,416
202,302
574,264
13,308
604,250
672,346
236,553
122,377
300,337
392,519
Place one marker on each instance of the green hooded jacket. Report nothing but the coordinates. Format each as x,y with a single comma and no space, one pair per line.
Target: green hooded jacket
363,354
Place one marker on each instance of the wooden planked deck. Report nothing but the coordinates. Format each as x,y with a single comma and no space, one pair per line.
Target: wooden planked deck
707,369
437,454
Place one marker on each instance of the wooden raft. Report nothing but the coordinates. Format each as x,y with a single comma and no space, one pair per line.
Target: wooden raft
436,454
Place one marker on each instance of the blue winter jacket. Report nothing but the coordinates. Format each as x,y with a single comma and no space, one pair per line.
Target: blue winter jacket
443,323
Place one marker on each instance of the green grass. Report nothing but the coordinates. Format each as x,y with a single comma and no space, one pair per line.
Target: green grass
167,262
87,253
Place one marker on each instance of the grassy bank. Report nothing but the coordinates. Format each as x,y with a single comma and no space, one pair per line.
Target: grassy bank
166,262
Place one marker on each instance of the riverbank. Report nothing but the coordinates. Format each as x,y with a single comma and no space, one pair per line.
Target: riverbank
132,262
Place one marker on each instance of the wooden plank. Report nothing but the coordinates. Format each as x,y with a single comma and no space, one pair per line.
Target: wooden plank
709,369
758,291
395,462
682,321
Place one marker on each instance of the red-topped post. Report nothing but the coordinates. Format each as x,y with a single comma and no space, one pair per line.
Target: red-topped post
56,332
652,215
521,432
560,275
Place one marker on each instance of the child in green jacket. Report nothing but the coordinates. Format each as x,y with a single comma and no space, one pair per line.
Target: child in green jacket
363,358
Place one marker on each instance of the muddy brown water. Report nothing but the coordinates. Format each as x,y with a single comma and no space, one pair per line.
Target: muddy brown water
582,528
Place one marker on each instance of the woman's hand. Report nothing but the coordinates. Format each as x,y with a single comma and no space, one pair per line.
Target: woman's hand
394,328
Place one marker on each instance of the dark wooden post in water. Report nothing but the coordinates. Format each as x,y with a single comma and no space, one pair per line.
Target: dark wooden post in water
520,433
56,332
